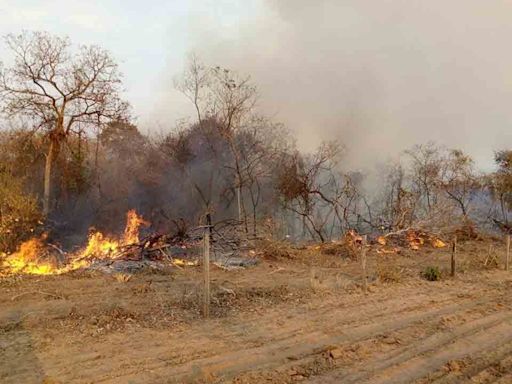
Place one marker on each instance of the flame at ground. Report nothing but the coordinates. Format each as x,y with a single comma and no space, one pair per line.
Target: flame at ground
386,251
28,258
181,262
133,224
99,245
414,239
353,239
438,243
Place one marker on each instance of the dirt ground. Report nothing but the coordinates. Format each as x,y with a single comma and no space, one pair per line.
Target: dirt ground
289,319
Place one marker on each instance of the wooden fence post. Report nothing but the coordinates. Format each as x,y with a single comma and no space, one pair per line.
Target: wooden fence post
488,259
363,264
206,268
454,255
507,257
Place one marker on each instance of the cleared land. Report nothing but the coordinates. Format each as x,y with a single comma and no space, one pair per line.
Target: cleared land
302,318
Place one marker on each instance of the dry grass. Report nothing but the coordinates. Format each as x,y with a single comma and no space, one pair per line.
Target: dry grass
274,250
390,274
339,249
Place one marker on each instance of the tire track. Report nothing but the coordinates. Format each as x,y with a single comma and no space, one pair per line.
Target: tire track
298,347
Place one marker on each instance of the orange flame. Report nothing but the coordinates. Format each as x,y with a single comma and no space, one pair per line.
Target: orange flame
100,246
26,259
352,238
133,223
415,240
438,243
385,251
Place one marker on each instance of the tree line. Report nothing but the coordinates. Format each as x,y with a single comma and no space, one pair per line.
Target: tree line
72,157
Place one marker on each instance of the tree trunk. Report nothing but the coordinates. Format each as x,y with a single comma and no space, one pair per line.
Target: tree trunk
239,201
47,179
50,158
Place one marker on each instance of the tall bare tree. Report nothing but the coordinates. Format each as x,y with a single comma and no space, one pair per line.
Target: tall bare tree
59,90
226,97
500,184
312,188
459,180
425,166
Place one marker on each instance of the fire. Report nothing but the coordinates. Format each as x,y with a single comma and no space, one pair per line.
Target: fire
438,243
99,245
412,238
352,238
385,251
415,240
181,262
133,223
28,258
381,240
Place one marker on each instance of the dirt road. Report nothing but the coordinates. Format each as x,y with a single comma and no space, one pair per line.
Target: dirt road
270,326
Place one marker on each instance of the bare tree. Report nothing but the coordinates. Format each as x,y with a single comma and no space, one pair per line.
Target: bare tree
223,96
500,185
60,91
261,144
398,200
311,187
425,168
458,179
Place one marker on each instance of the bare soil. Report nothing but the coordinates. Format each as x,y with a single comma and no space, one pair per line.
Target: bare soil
303,317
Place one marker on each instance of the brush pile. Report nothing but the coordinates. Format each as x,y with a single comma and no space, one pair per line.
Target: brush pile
410,238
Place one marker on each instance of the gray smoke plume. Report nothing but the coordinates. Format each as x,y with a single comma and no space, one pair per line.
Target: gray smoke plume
378,75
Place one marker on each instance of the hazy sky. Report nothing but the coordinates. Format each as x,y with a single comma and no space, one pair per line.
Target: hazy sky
380,75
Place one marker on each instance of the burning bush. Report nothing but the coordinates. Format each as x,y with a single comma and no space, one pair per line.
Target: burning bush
32,257
36,256
19,213
412,238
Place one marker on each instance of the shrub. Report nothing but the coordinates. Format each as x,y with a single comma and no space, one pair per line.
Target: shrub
19,213
274,250
432,274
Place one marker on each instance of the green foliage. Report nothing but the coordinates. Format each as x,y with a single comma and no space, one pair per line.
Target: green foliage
432,274
19,213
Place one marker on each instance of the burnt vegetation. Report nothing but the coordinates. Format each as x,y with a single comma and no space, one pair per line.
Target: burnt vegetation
71,158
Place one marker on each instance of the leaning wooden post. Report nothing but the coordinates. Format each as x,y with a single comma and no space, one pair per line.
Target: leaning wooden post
507,257
489,253
206,268
363,264
454,255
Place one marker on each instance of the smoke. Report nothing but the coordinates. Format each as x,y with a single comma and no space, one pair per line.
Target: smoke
379,76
